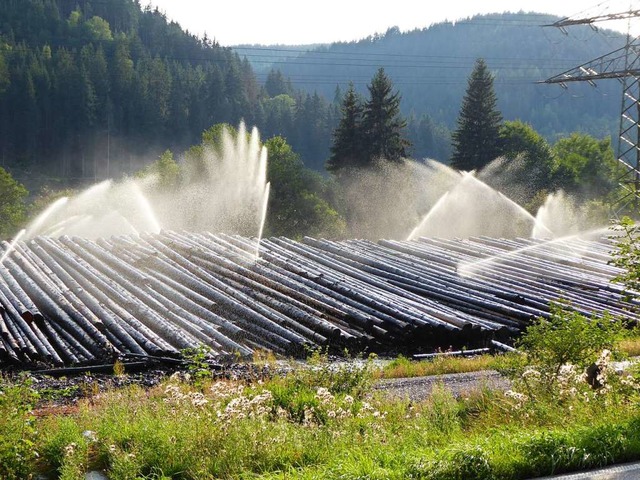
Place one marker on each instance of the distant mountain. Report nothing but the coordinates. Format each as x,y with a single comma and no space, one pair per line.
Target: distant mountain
430,67
264,58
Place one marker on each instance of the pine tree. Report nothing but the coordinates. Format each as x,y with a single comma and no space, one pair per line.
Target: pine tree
347,148
381,122
476,141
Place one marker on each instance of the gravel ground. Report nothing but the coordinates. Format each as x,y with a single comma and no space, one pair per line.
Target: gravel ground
68,389
419,388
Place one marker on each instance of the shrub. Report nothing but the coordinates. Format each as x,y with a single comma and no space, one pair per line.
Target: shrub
557,351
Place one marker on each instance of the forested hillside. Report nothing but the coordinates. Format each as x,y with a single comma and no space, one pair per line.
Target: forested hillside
87,87
92,89
430,67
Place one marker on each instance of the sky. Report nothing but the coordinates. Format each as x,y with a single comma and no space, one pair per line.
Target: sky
297,22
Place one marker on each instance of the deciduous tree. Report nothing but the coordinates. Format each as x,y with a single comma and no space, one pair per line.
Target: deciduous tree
12,204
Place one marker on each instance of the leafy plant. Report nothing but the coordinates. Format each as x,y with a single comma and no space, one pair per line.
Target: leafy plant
18,433
198,365
627,255
557,351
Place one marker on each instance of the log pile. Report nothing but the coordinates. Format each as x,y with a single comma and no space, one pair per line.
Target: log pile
71,301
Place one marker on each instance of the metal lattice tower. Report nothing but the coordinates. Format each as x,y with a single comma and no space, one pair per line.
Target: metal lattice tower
624,65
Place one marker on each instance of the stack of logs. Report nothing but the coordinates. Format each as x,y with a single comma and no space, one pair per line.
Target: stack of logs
73,301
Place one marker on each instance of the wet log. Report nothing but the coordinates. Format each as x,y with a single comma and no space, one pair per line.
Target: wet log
120,301
89,301
51,301
228,297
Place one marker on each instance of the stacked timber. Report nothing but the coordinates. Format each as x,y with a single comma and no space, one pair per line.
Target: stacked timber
70,301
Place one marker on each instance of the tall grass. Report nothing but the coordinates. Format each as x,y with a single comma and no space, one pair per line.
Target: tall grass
326,423
402,367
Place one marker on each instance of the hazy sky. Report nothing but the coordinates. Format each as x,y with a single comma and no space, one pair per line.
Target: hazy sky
233,22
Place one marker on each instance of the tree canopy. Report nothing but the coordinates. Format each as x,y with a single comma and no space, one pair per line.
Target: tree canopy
298,205
476,140
347,148
13,197
369,132
382,124
585,166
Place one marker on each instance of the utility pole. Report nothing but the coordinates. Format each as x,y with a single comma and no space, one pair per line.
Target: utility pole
622,64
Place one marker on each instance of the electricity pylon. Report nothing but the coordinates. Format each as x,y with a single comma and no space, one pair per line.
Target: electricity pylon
624,65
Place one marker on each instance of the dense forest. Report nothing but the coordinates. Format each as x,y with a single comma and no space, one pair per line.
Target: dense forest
95,89
92,89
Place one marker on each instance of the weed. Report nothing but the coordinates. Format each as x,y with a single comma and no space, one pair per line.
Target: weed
402,367
557,352
118,368
197,364
18,432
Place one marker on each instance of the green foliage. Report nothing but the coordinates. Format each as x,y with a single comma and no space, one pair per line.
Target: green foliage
347,150
443,410
476,140
164,172
322,420
5,79
98,29
585,167
275,84
370,132
382,125
213,136
469,464
520,140
12,204
18,432
198,365
430,85
298,202
402,367
556,351
120,82
627,254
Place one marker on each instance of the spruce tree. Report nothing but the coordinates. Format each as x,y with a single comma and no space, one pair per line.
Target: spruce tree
476,141
382,124
347,150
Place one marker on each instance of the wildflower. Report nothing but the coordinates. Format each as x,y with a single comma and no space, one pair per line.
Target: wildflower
520,398
324,396
531,372
198,400
70,449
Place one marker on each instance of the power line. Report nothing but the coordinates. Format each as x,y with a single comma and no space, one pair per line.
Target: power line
622,64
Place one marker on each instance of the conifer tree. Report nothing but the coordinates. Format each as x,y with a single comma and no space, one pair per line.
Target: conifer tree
347,148
381,123
476,141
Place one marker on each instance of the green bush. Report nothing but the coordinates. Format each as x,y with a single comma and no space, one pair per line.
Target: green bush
555,352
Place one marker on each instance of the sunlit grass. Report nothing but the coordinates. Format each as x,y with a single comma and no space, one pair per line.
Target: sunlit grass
403,367
631,346
324,422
